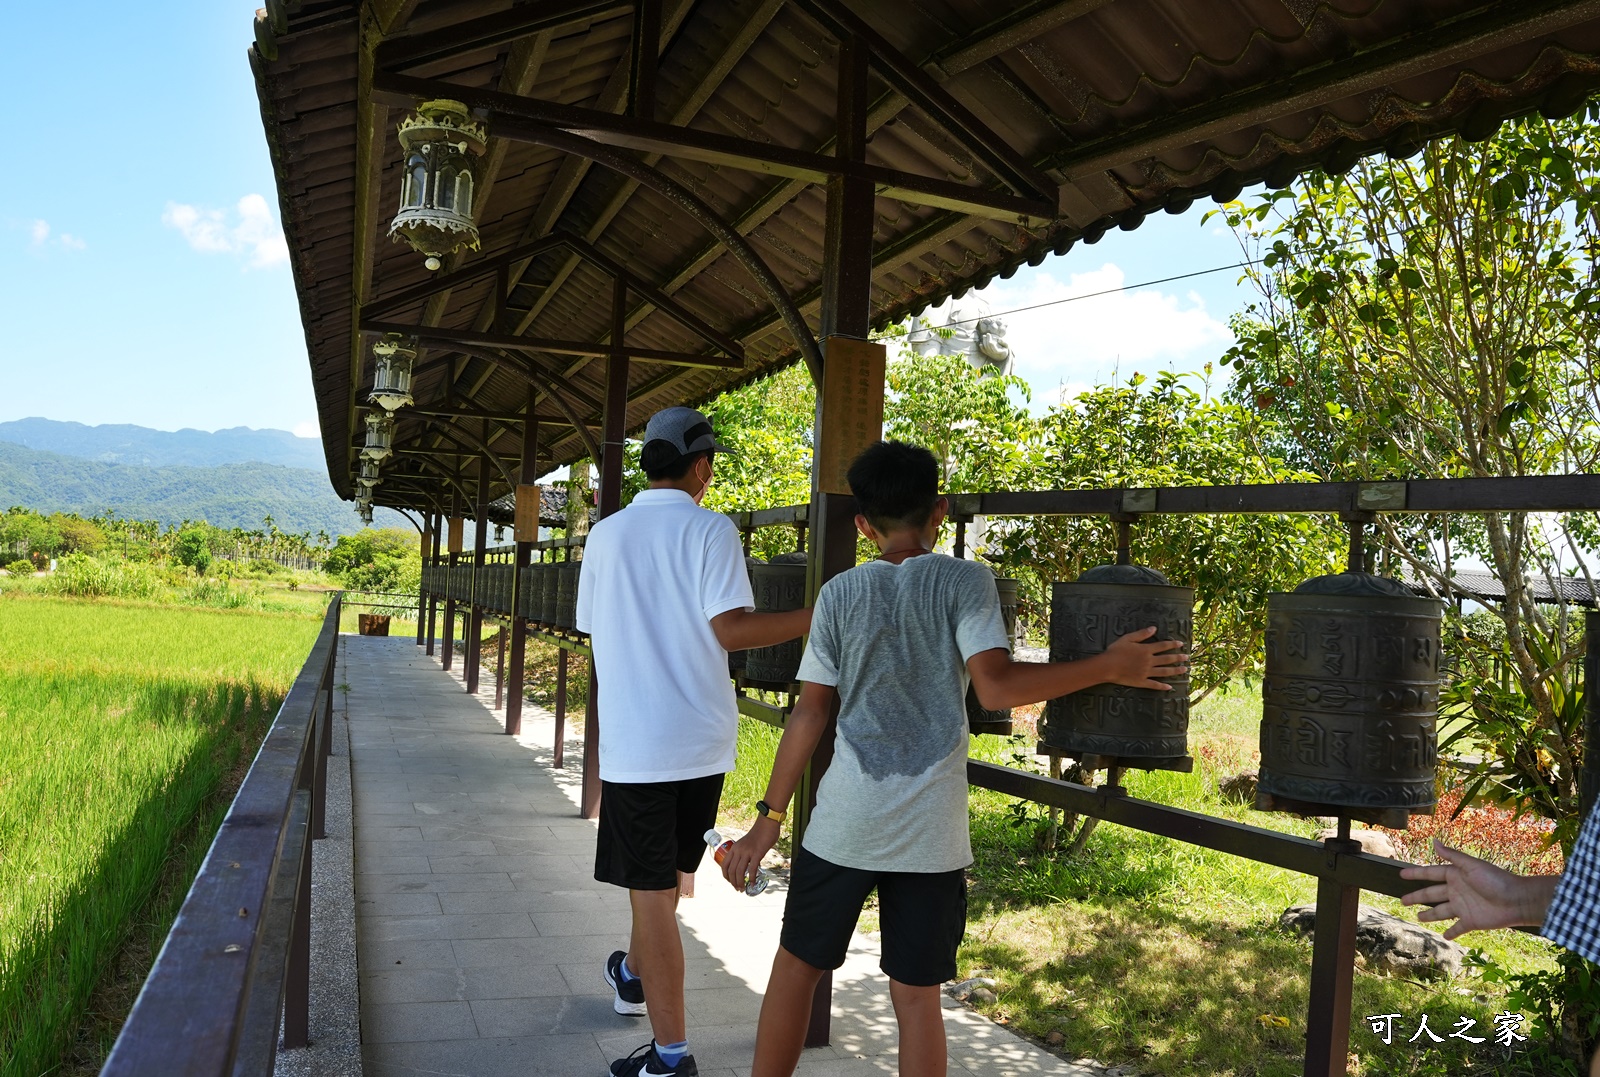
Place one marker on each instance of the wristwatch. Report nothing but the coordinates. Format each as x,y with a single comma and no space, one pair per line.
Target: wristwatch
769,812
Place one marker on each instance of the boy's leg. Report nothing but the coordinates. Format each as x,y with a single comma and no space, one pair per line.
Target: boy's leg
924,916
819,914
655,955
920,1016
785,1015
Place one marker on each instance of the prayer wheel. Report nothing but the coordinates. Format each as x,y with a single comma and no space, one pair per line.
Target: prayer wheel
997,723
779,585
548,582
1110,724
1350,701
738,659
528,597
567,595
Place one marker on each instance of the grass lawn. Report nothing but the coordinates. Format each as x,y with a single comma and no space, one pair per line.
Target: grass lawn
119,723
1148,951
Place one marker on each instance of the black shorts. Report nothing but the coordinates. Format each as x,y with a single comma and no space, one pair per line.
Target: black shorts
923,915
650,831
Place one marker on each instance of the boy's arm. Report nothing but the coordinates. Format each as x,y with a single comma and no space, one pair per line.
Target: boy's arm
805,727
740,630
1002,684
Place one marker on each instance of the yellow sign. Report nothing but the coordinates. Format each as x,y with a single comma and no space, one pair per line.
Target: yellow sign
527,525
456,526
852,407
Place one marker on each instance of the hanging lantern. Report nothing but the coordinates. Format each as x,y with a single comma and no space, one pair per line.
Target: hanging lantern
380,437
442,144
391,375
370,475
364,510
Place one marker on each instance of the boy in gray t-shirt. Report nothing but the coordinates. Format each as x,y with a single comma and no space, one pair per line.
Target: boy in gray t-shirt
897,640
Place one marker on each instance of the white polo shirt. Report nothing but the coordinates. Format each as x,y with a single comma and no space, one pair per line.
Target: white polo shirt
654,575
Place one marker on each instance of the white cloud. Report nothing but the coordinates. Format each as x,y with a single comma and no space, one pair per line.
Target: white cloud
307,429
248,229
1063,348
39,234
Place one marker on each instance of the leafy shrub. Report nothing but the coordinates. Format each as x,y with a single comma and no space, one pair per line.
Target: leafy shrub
83,576
207,591
20,567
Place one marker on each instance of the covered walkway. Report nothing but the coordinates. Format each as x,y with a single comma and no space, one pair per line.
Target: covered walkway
481,932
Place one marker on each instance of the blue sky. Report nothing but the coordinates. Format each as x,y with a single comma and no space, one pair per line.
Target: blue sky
148,282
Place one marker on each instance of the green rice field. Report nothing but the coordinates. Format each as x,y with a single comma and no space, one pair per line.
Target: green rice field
121,727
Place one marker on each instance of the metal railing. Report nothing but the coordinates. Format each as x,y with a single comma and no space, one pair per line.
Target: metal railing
237,961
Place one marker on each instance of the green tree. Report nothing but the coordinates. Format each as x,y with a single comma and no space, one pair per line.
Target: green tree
193,548
1436,318
1164,432
376,559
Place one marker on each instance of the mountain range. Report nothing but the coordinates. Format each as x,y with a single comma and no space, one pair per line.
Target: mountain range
231,478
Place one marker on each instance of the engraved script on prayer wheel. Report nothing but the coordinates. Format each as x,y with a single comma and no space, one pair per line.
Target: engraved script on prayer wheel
567,595
1350,701
979,720
1141,727
548,584
779,586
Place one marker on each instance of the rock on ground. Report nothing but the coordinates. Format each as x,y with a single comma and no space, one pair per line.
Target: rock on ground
1240,787
1389,943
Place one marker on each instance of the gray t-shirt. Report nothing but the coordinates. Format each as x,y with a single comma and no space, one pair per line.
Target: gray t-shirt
894,640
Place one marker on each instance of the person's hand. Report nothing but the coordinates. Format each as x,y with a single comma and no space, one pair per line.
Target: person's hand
742,861
1475,893
1132,662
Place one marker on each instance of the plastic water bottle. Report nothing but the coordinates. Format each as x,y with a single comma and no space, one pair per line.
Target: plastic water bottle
719,850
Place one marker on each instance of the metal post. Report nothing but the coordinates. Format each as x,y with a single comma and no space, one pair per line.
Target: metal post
1333,968
559,759
846,311
519,623
297,977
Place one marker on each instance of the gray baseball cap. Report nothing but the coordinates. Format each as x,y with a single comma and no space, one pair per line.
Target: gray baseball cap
684,429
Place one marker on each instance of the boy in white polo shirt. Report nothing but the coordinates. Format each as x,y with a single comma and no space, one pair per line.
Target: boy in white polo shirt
665,596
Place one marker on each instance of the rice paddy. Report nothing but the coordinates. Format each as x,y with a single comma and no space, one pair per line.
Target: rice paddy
119,722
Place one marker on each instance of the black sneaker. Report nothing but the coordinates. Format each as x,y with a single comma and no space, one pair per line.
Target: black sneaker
646,1063
629,999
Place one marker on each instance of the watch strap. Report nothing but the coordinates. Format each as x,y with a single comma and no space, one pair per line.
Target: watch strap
767,810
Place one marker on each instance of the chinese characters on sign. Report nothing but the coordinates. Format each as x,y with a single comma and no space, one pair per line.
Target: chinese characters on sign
1388,1026
852,407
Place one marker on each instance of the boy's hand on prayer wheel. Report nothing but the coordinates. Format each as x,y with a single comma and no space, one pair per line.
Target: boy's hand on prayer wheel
1133,662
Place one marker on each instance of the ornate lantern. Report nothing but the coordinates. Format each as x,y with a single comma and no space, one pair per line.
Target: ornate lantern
380,437
391,375
370,475
364,505
441,143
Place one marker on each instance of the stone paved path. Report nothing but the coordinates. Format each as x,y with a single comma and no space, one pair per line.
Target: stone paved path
481,933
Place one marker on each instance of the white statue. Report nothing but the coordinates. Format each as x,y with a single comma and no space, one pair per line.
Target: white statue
968,330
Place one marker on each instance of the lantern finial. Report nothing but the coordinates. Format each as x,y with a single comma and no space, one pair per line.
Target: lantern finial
442,145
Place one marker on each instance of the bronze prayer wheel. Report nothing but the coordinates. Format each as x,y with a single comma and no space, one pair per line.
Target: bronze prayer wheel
1110,724
779,585
567,594
1350,701
997,723
548,583
738,659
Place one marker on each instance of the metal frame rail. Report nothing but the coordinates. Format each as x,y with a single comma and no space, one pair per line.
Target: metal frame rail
1341,869
238,958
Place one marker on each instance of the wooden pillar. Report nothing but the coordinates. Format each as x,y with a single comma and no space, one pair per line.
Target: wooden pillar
422,589
1333,968
559,757
480,543
433,595
611,456
454,541
527,517
846,314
